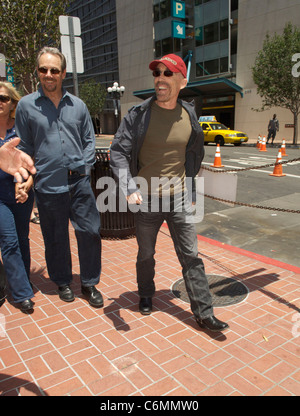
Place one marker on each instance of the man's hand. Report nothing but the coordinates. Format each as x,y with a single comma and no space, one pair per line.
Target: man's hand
21,193
15,162
135,198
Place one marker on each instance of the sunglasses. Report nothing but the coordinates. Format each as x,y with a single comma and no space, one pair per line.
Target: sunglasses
4,99
53,71
167,73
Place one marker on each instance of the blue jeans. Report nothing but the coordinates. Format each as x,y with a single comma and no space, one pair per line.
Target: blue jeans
15,249
55,211
186,246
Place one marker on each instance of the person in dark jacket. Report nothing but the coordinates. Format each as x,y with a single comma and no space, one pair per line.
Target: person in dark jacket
273,128
160,143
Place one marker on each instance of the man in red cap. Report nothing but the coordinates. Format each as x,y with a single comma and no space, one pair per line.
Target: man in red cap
156,150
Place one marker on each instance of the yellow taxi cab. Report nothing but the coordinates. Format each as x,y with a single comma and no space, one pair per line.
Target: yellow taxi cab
215,132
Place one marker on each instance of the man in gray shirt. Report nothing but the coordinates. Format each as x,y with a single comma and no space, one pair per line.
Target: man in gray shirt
56,130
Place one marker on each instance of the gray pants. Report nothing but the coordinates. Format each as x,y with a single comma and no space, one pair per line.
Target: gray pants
186,246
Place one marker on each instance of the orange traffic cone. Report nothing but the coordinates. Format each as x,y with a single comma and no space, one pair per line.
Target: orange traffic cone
217,162
263,147
278,166
258,141
283,152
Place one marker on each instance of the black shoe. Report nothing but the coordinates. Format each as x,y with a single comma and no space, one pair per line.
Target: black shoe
94,296
26,305
145,306
65,293
212,323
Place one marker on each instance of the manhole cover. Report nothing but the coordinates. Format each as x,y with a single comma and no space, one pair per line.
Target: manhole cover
224,290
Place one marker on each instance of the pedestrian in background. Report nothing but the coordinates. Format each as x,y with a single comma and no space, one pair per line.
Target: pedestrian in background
55,128
273,128
161,138
16,202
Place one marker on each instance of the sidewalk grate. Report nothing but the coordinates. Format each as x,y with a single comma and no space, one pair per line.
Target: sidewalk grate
225,291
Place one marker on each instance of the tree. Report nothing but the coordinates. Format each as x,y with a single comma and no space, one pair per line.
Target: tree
274,73
26,27
94,96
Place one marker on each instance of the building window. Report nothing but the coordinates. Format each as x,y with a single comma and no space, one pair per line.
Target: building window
156,12
158,52
212,67
224,64
224,29
162,10
166,46
211,33
199,70
176,45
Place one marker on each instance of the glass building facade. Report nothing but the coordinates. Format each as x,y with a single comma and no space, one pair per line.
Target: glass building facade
218,39
99,39
100,49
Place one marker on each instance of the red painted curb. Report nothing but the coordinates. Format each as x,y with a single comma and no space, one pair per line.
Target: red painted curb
250,254
247,253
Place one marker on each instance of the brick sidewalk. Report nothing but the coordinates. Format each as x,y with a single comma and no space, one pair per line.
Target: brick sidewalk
76,350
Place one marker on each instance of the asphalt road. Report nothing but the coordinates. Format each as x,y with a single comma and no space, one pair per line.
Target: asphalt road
267,232
271,233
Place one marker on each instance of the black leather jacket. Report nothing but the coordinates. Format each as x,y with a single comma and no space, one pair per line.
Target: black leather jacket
129,139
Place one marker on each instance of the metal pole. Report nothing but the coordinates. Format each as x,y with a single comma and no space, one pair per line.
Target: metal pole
73,55
229,36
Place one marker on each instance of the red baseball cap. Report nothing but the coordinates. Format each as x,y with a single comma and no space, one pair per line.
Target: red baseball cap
173,62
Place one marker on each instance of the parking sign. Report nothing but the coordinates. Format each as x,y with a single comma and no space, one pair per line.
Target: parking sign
178,9
178,29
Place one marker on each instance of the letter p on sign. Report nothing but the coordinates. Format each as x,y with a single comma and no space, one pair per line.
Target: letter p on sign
178,9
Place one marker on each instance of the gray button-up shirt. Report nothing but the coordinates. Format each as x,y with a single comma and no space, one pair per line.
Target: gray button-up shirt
59,139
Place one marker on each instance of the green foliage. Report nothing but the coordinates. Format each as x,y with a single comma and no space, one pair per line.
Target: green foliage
94,96
272,72
26,27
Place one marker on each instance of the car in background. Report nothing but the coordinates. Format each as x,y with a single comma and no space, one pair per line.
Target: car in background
215,132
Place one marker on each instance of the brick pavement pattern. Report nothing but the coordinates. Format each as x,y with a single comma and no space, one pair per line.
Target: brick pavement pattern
73,349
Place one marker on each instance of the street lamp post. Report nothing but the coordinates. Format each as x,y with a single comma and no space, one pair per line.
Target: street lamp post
116,93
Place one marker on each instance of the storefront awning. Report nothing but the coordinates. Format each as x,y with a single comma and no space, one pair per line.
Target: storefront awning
208,87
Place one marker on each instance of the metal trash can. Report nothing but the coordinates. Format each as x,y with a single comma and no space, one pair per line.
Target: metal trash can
118,225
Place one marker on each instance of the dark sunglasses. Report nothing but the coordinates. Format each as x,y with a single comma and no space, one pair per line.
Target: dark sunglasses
4,99
167,73
54,71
